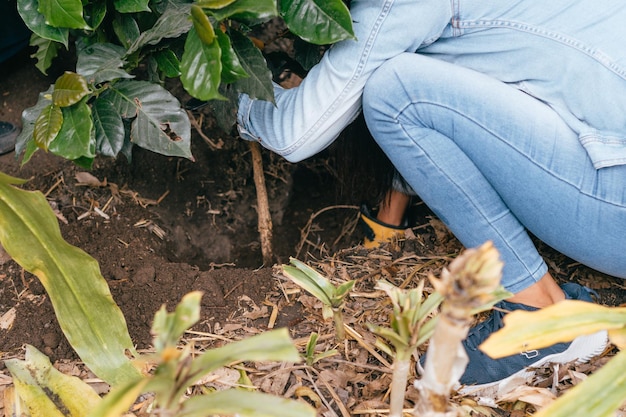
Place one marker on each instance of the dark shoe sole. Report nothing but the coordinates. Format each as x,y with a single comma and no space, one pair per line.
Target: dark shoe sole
8,134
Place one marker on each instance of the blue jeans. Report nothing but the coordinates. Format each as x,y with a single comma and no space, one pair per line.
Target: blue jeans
493,162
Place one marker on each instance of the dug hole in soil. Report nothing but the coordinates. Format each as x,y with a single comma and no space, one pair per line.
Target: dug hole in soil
171,225
161,227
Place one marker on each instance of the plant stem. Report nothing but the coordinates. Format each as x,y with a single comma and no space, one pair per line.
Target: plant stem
400,375
340,332
263,210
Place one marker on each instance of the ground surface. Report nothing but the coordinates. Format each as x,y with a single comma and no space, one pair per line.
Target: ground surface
172,226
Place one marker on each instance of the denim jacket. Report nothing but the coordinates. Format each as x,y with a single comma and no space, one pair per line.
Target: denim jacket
569,54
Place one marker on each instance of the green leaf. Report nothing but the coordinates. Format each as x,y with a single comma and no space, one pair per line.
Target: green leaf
168,328
48,126
249,11
109,128
25,140
160,124
232,70
76,138
171,24
201,68
600,395
101,62
259,83
126,29
69,89
46,51
131,6
319,290
202,24
46,390
95,13
560,322
244,403
37,24
91,321
168,63
216,4
120,399
315,277
318,21
63,13
267,346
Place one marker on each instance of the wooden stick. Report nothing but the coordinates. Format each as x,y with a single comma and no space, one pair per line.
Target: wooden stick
263,208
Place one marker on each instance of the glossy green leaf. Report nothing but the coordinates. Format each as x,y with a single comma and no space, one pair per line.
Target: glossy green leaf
126,29
91,321
249,11
76,138
69,89
48,392
600,395
168,63
84,162
171,24
215,4
160,124
48,126
25,139
201,68
36,22
101,62
232,70
318,21
202,24
237,402
94,13
63,13
131,6
259,83
560,322
46,51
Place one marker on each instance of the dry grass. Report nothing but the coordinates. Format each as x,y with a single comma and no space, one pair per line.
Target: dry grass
355,381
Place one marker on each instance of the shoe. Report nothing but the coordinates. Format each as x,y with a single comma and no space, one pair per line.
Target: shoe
8,134
377,232
486,374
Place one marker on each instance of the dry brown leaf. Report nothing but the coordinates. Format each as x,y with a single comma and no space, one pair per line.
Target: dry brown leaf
89,180
539,397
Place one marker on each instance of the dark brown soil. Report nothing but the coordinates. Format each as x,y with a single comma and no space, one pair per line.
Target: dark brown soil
201,235
175,226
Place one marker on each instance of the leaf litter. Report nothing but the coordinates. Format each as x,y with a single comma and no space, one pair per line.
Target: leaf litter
352,381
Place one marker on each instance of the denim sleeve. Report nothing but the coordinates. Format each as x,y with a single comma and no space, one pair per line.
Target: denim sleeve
308,118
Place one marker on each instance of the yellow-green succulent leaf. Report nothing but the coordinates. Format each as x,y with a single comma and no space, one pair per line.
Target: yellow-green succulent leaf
90,319
168,328
426,331
120,399
343,289
270,345
618,338
600,395
318,286
245,404
41,387
561,322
